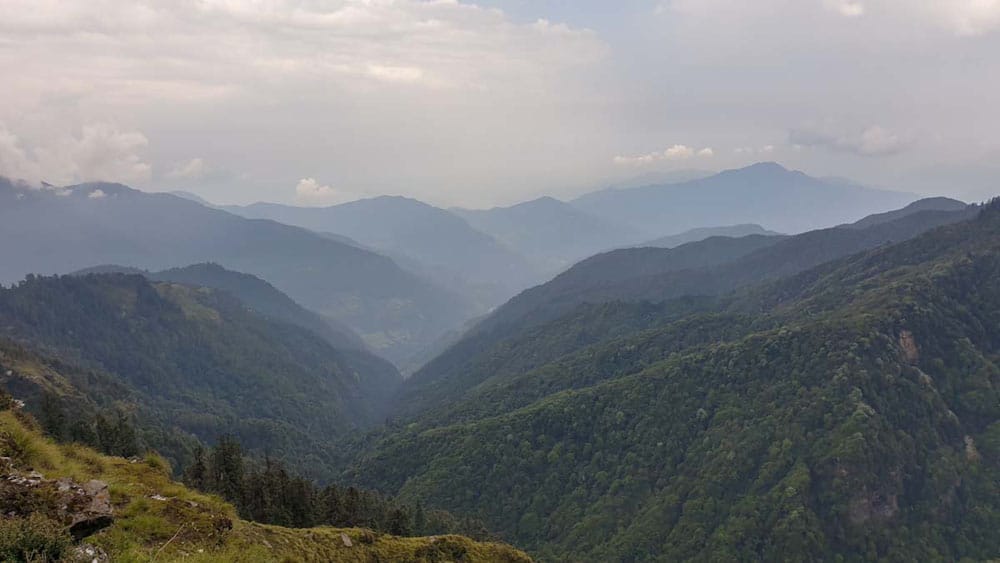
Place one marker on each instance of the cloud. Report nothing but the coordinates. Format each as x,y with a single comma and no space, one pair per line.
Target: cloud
673,153
871,142
189,170
420,79
969,17
764,150
100,152
847,8
14,160
97,194
212,49
395,73
309,192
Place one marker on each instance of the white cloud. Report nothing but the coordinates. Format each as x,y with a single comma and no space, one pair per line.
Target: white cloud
14,161
100,152
97,194
678,152
209,49
190,170
420,79
395,73
673,153
309,192
871,142
764,150
969,17
847,8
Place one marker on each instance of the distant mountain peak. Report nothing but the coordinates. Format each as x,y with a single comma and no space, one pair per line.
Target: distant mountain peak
761,169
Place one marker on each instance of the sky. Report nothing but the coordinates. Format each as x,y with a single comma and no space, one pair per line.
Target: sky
463,103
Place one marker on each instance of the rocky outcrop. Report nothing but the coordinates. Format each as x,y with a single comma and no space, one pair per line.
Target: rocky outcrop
909,346
84,508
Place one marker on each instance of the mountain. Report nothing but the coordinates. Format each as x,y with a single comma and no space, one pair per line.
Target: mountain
192,196
61,230
435,242
850,412
765,193
264,299
712,267
695,235
194,361
926,204
131,510
254,292
550,232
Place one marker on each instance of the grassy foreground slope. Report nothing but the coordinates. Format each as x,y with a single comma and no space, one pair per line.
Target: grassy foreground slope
158,519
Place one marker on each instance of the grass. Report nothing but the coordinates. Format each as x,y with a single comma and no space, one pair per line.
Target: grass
157,519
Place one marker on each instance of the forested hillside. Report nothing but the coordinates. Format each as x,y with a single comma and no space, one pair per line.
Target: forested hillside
707,268
196,362
702,233
58,230
254,292
851,410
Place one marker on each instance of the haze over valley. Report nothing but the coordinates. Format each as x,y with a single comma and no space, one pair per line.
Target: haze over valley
499,281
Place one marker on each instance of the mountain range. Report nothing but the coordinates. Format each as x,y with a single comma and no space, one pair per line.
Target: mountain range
489,255
434,243
648,391
765,193
61,230
551,233
847,408
707,268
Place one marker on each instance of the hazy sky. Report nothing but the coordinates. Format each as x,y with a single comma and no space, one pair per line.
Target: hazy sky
466,103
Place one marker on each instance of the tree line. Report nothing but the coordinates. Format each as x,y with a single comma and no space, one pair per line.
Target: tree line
265,491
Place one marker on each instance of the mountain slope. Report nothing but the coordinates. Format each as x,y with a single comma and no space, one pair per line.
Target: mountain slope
765,193
154,518
695,235
254,292
851,410
60,230
552,233
438,243
196,361
926,204
263,298
711,267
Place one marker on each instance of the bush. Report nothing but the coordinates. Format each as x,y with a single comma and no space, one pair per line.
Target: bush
35,538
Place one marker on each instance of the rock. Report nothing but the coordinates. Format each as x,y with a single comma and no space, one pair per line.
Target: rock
95,514
875,507
85,553
971,453
346,539
85,509
910,351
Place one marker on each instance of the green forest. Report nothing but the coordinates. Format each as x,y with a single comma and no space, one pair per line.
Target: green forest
848,412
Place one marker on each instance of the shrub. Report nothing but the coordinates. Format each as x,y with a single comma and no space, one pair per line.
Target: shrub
35,538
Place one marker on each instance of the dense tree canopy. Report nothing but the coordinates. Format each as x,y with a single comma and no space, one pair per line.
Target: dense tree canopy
851,411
